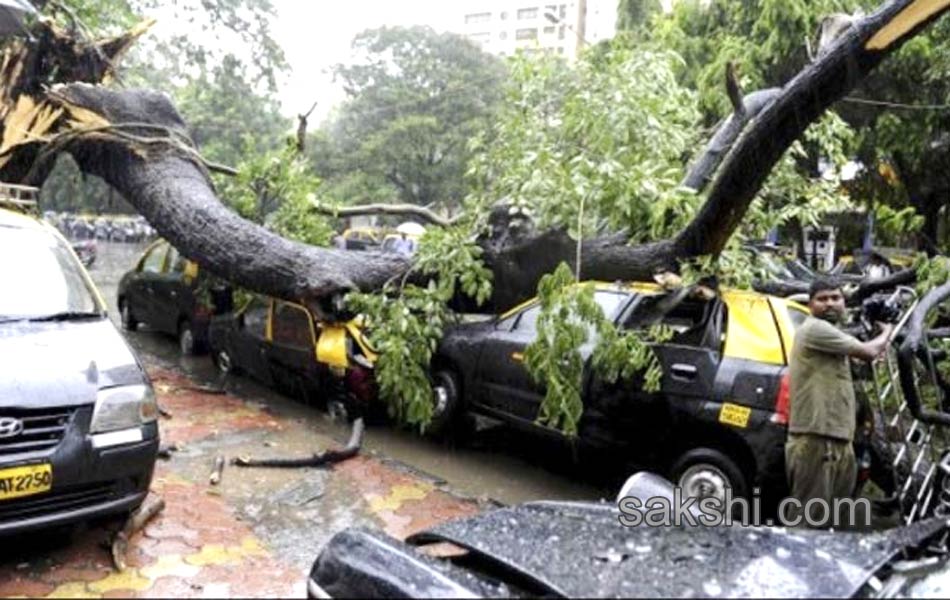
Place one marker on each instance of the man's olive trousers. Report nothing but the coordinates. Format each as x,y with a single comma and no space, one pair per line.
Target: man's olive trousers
822,468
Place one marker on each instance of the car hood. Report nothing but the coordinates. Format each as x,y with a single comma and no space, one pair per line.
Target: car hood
62,364
581,550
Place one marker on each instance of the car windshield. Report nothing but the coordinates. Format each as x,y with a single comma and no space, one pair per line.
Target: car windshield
41,278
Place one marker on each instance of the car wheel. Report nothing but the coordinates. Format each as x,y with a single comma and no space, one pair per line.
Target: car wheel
128,321
186,339
446,393
224,362
707,473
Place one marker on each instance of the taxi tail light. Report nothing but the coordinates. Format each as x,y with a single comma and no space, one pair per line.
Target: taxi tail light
781,401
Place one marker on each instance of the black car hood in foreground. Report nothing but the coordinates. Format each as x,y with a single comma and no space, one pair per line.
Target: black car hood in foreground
62,363
581,550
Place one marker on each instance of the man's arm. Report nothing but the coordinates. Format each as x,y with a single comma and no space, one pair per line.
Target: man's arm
869,351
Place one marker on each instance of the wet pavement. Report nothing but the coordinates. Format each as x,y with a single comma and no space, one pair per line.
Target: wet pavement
258,531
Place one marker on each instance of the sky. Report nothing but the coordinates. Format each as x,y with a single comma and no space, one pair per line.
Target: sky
316,34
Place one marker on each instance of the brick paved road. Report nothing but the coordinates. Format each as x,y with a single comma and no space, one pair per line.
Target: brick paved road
254,535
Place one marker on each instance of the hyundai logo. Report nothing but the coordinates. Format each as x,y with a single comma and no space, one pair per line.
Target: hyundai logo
10,427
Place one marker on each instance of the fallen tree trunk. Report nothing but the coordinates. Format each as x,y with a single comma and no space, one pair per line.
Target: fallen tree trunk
136,141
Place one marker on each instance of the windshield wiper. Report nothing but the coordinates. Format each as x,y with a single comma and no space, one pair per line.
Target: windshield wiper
67,316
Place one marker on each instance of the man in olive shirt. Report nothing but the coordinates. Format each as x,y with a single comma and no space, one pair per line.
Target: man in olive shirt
819,457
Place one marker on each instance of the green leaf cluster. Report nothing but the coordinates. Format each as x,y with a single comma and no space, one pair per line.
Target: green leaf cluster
595,146
408,320
568,320
277,189
415,97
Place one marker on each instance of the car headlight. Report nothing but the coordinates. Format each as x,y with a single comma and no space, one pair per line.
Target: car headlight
123,408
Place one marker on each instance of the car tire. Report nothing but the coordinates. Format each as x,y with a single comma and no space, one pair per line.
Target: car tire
128,321
187,343
448,403
705,472
224,362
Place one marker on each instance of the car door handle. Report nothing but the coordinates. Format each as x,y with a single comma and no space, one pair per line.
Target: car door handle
684,372
517,357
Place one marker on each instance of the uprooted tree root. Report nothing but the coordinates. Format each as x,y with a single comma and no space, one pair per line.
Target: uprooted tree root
321,459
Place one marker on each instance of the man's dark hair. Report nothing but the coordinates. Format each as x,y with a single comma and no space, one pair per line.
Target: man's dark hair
822,284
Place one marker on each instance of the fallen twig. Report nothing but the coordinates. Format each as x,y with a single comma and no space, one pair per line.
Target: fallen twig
164,412
166,451
137,521
215,477
321,459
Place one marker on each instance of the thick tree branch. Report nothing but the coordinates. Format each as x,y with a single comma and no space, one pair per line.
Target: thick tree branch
801,102
386,209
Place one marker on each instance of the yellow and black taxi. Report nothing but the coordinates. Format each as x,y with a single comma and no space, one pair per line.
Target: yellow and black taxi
169,293
719,419
286,346
78,431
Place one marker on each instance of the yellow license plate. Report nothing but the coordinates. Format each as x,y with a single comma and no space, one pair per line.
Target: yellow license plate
25,481
733,414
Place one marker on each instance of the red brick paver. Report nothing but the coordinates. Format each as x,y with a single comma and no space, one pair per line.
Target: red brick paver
200,545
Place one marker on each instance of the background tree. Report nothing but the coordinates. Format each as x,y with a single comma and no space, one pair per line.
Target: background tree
768,39
415,97
229,101
633,14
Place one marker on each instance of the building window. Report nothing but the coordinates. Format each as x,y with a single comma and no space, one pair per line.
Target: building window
503,35
549,30
477,18
481,38
504,15
527,13
526,34
564,11
560,33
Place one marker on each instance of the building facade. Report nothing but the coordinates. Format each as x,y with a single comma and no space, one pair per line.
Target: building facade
502,27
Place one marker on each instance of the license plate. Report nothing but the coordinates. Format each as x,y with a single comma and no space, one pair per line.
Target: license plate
25,481
737,416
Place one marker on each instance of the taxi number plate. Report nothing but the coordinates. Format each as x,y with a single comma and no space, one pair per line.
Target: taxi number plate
25,481
733,414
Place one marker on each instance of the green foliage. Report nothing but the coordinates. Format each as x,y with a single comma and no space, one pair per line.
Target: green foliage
601,144
227,116
931,272
569,316
407,320
892,224
276,189
793,195
415,97
633,14
554,359
107,17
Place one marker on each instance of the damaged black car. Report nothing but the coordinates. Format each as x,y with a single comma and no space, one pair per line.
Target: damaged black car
719,419
571,549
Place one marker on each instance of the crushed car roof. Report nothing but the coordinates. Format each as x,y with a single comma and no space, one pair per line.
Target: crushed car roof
580,549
